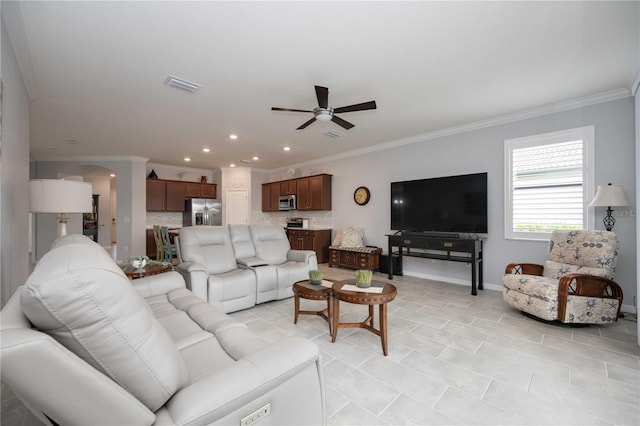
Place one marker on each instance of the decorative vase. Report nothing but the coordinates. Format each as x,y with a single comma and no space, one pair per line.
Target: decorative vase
152,175
315,277
363,278
203,179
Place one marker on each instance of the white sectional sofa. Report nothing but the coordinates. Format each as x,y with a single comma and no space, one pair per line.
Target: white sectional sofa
82,344
234,267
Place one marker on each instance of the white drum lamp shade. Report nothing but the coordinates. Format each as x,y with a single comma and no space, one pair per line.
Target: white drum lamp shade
608,196
60,196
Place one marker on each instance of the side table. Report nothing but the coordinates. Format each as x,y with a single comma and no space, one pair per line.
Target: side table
305,290
388,293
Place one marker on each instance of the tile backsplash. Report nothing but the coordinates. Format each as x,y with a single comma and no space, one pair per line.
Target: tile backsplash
170,219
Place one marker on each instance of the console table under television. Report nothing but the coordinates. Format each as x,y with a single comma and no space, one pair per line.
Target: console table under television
466,250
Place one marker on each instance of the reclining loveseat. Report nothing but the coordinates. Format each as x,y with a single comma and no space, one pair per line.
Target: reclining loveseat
234,267
82,344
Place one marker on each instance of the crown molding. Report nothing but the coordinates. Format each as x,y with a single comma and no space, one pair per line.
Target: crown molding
12,20
131,158
598,98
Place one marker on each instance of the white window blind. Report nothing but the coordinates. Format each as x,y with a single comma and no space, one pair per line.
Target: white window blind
546,183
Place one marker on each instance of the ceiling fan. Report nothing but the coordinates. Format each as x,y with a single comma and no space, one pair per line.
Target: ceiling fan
323,113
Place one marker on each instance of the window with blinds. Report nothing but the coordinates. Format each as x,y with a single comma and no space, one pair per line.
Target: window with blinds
547,180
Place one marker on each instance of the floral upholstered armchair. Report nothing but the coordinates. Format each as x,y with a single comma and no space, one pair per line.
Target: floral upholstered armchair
575,285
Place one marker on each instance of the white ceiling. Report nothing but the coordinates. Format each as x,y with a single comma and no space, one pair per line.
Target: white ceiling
95,71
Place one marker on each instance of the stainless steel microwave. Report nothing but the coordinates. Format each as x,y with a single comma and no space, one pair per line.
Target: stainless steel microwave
287,202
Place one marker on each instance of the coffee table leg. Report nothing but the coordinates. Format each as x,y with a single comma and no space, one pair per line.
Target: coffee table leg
383,327
335,319
296,310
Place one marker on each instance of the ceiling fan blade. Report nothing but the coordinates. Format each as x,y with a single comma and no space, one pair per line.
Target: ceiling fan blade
357,107
306,124
340,122
289,109
322,93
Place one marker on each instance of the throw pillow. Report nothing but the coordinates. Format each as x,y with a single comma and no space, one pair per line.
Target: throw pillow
337,240
353,237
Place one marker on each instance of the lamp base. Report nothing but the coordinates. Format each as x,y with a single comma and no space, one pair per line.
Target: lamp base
609,221
62,224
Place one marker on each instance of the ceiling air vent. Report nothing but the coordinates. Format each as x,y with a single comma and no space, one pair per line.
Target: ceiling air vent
178,83
334,134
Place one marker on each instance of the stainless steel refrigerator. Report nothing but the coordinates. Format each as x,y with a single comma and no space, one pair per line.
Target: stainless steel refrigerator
202,211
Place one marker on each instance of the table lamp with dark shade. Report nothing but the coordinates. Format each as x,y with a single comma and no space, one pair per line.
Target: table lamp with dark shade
608,196
61,197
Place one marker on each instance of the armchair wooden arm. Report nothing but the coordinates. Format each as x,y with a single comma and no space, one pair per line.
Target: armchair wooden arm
524,268
586,286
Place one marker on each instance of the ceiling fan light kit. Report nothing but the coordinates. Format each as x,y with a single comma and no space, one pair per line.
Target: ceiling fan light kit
323,113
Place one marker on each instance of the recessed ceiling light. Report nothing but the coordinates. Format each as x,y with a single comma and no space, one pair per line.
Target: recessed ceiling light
234,137
232,165
187,159
206,150
286,148
255,158
112,175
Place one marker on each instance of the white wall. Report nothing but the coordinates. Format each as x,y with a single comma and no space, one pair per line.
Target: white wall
479,151
14,173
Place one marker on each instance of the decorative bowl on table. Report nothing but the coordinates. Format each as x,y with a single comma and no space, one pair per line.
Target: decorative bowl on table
139,262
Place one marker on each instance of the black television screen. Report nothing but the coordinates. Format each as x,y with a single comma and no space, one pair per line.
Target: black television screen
444,204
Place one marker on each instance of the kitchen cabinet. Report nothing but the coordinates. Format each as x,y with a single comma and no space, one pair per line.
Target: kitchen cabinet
169,195
317,240
175,196
200,190
209,190
270,197
314,192
288,187
156,195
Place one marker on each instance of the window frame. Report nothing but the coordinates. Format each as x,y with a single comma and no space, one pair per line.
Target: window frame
587,135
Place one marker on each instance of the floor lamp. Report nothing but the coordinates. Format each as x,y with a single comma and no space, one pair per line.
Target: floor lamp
62,197
607,196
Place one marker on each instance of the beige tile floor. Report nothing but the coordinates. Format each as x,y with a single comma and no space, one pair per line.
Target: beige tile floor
456,359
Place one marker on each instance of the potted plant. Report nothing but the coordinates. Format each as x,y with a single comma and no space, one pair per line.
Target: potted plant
315,276
363,278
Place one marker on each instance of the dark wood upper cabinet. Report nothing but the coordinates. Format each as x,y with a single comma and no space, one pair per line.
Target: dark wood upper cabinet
169,195
288,187
175,196
275,197
156,195
312,193
209,190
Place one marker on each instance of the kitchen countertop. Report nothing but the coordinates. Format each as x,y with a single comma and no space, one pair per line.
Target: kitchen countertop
311,228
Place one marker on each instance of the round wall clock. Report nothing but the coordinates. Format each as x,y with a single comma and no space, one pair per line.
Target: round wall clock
361,195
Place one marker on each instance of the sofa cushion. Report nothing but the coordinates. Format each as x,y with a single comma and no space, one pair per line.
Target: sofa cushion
209,246
588,249
271,243
241,241
79,296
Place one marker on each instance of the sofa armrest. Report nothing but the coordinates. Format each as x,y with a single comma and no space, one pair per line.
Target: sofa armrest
195,276
524,269
217,395
158,284
251,262
304,256
88,396
586,286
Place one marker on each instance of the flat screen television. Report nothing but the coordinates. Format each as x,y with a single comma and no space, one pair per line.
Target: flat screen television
456,204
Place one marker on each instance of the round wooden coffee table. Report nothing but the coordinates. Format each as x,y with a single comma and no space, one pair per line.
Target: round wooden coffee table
305,290
381,299
152,268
